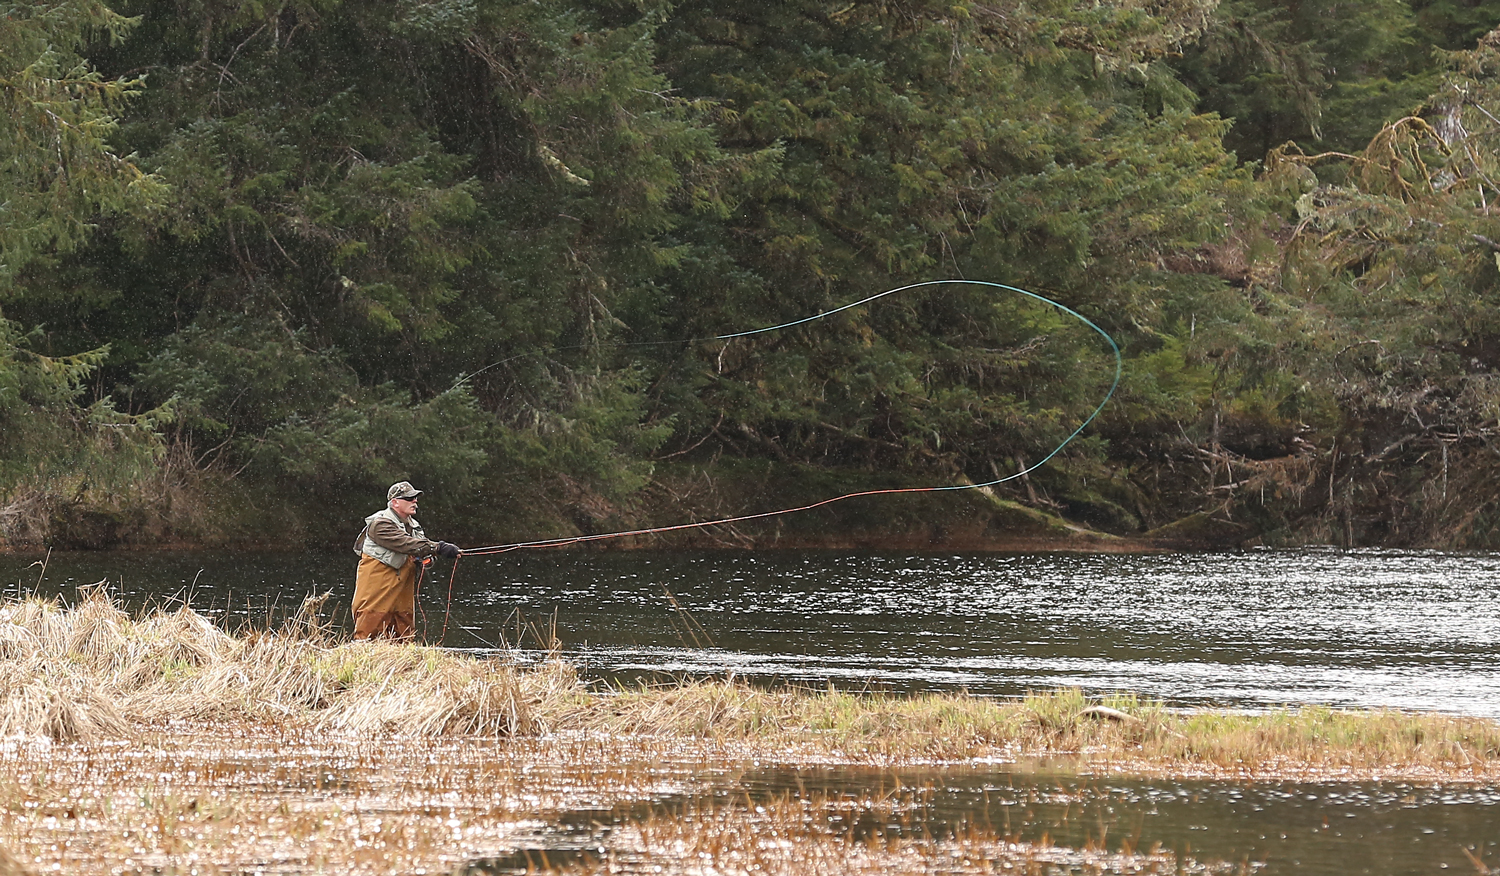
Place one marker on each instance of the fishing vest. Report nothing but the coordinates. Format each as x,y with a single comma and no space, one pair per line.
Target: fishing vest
367,546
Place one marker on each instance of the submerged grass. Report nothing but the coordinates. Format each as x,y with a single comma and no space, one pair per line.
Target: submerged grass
93,672
212,802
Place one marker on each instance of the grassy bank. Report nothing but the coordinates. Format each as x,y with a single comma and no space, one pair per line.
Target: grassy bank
91,672
162,744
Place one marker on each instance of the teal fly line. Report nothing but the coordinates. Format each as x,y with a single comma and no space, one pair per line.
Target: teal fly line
1114,385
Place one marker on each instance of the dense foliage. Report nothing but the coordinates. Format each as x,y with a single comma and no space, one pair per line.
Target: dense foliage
261,259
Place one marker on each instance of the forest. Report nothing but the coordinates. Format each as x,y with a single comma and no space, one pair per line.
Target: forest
261,258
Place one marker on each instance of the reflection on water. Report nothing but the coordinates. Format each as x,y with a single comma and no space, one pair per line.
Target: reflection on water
1386,828
1367,629
1373,628
1303,827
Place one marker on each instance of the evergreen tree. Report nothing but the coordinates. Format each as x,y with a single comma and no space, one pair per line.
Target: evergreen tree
59,177
474,263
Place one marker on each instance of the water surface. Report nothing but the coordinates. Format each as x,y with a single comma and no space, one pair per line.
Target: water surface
1252,630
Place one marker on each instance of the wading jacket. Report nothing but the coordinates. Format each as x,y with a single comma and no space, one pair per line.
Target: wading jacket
387,539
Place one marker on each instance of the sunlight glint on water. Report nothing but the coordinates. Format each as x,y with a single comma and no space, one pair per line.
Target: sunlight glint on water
1252,630
1369,629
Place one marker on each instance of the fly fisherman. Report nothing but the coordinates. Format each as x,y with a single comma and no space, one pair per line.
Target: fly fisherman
385,588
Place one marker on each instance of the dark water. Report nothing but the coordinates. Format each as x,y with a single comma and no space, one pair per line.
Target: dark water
1253,630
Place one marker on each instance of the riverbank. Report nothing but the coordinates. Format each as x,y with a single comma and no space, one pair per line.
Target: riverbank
91,672
161,743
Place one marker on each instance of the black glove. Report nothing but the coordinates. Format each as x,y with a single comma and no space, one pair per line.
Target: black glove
447,551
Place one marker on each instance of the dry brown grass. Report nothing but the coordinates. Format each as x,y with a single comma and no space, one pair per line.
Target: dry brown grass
1121,732
92,672
9,865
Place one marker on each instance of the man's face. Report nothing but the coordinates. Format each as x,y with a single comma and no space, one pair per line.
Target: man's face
404,508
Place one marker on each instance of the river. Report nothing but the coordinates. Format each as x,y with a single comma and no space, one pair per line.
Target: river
1407,630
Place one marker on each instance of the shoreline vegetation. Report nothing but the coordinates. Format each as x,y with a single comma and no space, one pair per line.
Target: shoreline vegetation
92,672
161,743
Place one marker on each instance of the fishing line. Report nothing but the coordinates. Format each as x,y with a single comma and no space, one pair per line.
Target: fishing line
1119,369
416,592
449,610
655,530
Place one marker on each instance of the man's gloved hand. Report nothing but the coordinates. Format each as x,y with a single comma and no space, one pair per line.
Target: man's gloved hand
448,551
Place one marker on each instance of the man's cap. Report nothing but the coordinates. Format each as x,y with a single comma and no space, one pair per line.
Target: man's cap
402,490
